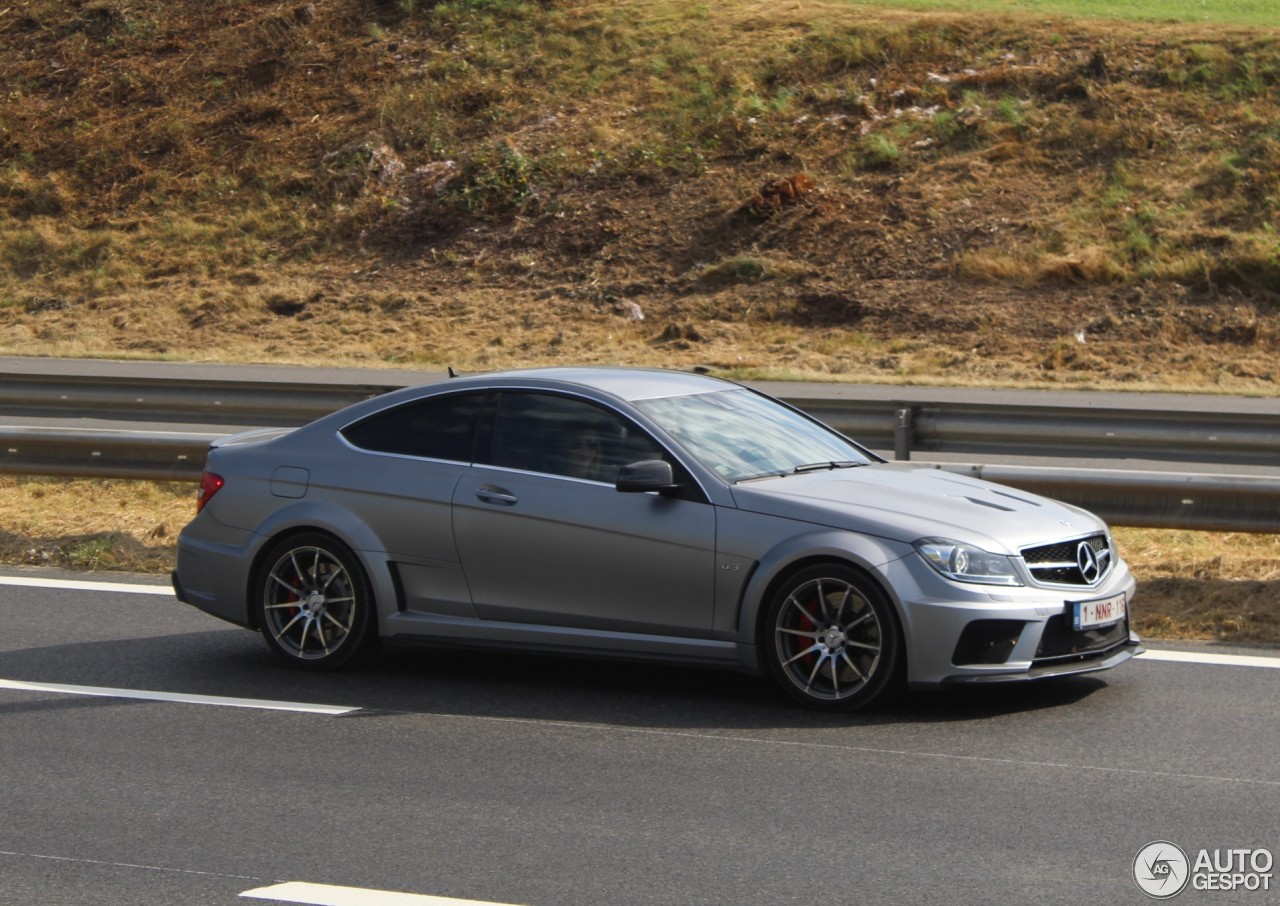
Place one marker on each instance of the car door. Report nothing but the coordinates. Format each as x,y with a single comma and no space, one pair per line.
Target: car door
544,537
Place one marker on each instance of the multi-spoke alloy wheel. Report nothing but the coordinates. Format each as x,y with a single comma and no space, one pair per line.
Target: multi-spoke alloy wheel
314,602
833,639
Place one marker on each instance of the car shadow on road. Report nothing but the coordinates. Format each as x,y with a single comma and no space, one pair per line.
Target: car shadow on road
405,680
680,697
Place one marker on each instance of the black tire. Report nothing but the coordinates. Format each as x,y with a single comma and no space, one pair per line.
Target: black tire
313,602
831,639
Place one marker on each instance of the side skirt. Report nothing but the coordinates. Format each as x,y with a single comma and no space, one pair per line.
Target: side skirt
563,640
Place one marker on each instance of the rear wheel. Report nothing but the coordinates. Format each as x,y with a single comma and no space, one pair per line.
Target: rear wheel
832,639
314,603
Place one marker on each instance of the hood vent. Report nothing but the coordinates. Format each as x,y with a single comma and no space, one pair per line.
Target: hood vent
988,503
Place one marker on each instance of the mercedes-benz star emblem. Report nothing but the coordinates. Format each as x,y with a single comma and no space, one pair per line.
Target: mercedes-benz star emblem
1087,560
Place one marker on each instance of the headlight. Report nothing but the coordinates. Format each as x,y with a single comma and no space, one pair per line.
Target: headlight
966,563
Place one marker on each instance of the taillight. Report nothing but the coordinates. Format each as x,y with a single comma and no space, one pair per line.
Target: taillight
210,484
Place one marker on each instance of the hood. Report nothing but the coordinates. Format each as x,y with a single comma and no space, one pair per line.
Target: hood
905,503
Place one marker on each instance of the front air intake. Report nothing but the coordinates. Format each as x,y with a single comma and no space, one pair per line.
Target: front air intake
987,642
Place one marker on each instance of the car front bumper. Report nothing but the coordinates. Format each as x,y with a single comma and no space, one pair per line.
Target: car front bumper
1086,663
959,633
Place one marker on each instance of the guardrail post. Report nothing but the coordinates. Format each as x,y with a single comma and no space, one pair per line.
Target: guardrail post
903,433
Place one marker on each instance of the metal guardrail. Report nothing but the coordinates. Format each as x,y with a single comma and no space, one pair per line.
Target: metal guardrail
1068,432
906,425
1180,500
1153,499
267,403
84,453
1158,499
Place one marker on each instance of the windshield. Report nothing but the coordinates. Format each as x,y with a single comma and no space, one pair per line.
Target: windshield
740,435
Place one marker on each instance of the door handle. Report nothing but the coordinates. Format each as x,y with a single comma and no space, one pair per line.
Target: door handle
500,496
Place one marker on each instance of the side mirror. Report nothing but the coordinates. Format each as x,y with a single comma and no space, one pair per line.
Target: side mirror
648,475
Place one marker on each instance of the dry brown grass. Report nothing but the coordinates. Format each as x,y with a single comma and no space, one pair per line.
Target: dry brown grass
1192,585
1205,585
504,183
126,526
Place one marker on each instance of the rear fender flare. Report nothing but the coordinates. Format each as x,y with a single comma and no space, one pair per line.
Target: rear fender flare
311,516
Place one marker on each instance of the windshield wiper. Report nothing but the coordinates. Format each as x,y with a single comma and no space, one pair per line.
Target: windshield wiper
800,470
775,473
826,466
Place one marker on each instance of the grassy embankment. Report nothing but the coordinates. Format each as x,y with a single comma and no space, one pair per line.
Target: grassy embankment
993,193
458,183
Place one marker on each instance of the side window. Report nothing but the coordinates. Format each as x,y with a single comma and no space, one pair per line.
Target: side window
439,427
542,432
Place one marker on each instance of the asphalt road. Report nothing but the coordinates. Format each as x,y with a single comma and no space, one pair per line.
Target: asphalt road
556,782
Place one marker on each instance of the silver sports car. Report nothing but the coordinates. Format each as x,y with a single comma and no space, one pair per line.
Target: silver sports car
646,514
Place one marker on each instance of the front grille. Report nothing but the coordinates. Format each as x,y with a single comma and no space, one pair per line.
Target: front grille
1060,641
1061,563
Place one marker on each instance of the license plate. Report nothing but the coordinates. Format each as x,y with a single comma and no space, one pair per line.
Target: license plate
1103,612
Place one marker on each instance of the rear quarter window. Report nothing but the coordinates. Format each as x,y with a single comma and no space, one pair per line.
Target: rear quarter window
439,427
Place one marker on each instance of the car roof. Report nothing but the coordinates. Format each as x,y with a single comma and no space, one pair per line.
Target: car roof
630,384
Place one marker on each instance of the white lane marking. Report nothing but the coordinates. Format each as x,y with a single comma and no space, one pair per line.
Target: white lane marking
178,697
286,892
78,585
1225,660
329,895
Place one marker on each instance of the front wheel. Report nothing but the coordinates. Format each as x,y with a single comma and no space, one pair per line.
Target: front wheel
314,603
832,639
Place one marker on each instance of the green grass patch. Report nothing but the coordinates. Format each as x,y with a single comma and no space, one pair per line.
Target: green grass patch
1258,13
